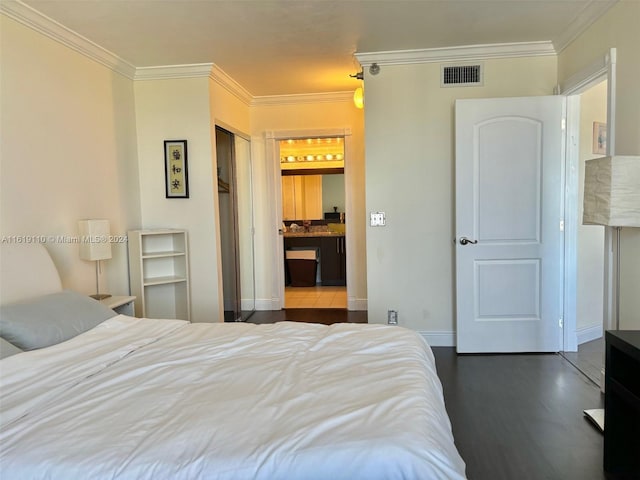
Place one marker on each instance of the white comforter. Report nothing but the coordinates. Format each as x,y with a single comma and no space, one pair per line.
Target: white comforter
165,399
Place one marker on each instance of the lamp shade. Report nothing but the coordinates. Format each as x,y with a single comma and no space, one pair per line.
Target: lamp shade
612,191
94,239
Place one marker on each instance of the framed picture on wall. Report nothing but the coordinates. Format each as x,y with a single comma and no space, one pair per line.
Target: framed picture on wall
600,138
175,169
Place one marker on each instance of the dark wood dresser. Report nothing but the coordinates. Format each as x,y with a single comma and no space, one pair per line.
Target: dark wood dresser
622,405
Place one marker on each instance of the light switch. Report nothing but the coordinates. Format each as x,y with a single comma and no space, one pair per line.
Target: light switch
377,219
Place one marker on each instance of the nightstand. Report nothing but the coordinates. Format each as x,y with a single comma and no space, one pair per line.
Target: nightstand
622,404
123,304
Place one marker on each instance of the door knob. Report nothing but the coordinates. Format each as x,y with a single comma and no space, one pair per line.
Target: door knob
466,241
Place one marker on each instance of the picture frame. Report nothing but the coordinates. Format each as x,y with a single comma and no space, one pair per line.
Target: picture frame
599,138
176,171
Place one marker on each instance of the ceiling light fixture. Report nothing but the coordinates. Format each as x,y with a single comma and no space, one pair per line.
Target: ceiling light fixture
358,95
358,98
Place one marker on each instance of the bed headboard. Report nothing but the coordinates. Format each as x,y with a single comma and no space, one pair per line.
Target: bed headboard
26,271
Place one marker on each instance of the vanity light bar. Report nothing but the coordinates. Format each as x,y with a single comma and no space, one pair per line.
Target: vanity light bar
311,158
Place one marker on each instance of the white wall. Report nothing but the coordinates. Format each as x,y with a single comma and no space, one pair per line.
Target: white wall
68,151
617,28
590,238
178,109
308,116
410,176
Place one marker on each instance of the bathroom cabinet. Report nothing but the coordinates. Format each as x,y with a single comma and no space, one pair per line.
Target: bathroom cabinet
333,260
301,196
332,248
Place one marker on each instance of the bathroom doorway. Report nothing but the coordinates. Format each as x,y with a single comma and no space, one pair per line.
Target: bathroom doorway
313,222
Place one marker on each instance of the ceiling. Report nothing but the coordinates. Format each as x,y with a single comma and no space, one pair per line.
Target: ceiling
292,47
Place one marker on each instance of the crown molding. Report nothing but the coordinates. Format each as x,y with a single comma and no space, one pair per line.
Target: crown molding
225,81
591,12
44,25
196,70
297,99
165,72
457,54
35,20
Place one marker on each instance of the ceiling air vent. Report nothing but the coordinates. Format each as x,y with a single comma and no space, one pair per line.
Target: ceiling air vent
461,76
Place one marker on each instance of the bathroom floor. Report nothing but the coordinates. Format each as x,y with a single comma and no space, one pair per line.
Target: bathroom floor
315,297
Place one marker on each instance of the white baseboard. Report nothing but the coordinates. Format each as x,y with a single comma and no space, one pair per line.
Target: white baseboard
440,339
356,304
263,304
586,334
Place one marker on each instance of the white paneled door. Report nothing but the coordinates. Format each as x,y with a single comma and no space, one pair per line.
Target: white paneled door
509,164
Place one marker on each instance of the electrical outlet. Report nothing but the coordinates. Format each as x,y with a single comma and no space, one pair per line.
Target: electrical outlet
392,317
377,219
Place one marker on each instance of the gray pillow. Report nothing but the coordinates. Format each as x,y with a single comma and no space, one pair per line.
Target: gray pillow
50,319
7,349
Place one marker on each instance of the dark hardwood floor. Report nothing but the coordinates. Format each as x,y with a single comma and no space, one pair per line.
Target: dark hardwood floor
589,359
326,316
520,416
514,417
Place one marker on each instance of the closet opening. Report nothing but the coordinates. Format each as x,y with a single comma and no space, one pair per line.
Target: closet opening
235,201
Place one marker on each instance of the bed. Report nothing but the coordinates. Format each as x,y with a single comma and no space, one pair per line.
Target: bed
119,397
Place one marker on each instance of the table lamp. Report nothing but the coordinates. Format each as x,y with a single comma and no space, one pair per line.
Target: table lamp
95,246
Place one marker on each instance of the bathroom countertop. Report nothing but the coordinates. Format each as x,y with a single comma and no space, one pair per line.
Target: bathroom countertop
321,233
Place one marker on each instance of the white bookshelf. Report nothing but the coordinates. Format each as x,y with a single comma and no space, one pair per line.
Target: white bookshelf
159,273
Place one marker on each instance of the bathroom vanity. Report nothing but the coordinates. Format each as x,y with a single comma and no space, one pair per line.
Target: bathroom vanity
332,253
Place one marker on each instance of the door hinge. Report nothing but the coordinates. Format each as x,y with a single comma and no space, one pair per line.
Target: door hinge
564,124
560,322
562,225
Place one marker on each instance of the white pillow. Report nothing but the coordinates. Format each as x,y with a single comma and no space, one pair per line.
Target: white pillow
50,319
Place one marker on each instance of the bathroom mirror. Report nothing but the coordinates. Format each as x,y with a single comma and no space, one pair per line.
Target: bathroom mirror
312,178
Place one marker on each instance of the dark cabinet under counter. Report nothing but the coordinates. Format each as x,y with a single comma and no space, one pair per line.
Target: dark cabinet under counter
622,405
333,259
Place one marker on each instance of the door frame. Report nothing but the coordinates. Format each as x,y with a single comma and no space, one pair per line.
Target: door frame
273,161
603,69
